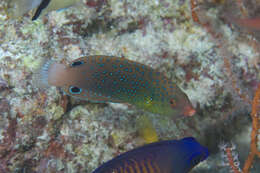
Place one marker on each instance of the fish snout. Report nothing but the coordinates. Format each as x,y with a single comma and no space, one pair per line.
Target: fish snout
189,111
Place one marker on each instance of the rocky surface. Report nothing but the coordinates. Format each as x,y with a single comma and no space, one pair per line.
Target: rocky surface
47,131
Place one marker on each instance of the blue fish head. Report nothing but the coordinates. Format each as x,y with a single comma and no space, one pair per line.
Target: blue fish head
194,152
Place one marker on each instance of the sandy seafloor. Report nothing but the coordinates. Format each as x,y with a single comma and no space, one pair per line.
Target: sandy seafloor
47,131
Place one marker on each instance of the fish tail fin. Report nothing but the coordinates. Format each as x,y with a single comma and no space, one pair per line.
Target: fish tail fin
50,73
40,77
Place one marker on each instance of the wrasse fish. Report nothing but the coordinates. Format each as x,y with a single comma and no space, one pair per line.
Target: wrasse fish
20,7
114,79
173,156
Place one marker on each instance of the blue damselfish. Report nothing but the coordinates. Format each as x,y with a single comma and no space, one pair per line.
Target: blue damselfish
172,156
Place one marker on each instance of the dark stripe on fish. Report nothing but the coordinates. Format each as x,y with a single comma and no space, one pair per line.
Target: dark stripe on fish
42,6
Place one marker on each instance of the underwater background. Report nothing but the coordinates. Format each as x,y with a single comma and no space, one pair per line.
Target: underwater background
201,45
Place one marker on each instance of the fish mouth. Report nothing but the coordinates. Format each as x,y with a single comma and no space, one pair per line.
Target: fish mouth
189,111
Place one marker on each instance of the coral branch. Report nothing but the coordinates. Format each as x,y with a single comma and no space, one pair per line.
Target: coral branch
227,66
230,157
216,36
194,15
254,134
255,114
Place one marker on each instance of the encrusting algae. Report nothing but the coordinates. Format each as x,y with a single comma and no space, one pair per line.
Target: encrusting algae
77,135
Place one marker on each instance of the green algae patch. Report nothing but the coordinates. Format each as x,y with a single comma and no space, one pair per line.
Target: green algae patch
31,62
33,27
56,111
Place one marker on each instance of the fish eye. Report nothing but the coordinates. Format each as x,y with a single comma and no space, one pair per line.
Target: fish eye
75,90
172,102
76,63
196,158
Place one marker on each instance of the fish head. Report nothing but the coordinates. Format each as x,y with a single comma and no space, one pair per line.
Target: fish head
194,152
180,104
175,104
